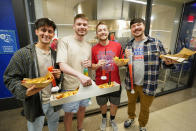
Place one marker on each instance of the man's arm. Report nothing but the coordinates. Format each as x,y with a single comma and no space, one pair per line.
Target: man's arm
13,76
86,81
167,63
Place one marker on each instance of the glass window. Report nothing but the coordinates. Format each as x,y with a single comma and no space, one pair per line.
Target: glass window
187,39
165,19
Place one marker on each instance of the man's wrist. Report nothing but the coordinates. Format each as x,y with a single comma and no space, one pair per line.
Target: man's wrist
94,66
90,66
97,66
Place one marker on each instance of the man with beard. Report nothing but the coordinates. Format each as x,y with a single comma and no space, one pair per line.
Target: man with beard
102,57
146,51
33,61
73,54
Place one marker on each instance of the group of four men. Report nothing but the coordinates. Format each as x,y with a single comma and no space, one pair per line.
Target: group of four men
74,54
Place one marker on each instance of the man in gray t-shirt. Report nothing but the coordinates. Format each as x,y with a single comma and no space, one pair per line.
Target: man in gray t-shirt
138,62
145,64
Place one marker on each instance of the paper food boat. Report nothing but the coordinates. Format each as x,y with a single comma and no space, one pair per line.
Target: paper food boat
181,56
178,59
38,82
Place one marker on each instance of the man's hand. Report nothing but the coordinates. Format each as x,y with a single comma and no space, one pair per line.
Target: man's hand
33,90
101,63
56,73
86,63
127,53
169,61
86,81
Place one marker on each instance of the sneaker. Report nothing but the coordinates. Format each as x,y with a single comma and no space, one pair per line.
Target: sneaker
103,124
143,129
128,123
114,125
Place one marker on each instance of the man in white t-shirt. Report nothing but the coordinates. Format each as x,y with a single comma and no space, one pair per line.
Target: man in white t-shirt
32,61
73,55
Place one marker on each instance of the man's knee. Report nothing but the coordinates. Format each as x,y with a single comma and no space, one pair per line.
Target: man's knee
113,105
81,108
68,114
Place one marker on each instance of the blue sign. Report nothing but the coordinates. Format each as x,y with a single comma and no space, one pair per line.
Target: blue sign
8,43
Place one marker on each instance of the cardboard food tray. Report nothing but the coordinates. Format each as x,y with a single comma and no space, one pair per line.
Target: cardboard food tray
84,93
39,82
181,56
178,59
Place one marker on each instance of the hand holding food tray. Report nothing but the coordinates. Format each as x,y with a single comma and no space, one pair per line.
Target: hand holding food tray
83,93
38,82
181,56
120,62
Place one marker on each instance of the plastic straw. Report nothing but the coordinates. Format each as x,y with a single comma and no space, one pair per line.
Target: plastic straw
131,70
109,83
103,77
131,75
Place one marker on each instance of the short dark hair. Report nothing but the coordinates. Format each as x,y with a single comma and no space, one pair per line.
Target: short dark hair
44,22
82,16
101,23
137,20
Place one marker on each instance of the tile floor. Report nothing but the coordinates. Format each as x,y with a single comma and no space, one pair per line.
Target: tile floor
171,112
178,117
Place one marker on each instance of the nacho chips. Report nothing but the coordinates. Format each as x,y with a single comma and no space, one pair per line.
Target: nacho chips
120,62
66,94
106,85
38,82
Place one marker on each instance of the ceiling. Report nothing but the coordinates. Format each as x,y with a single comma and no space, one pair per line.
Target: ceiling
63,11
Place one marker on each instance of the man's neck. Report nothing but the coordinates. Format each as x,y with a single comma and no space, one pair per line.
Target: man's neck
79,38
43,46
104,43
140,38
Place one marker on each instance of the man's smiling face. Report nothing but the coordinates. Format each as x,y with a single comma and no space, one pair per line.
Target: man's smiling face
137,29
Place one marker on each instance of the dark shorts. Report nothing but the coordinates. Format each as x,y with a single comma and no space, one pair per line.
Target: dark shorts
113,97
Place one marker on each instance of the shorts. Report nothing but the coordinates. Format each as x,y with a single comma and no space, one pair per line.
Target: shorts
113,97
74,106
102,100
